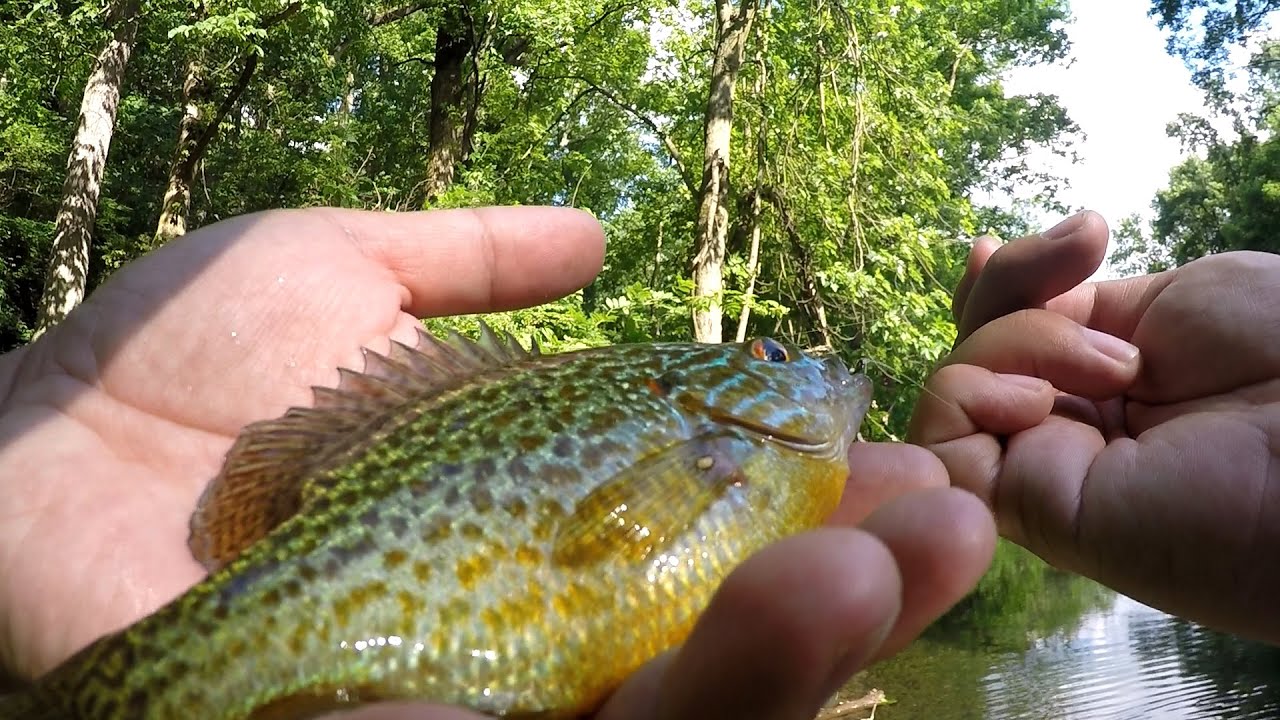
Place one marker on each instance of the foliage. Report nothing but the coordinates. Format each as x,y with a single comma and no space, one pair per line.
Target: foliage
1019,600
864,127
1203,33
1226,197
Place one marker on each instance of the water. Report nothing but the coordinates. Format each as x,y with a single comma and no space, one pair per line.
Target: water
1034,644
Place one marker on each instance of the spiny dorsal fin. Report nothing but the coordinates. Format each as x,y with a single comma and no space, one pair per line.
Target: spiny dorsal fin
262,480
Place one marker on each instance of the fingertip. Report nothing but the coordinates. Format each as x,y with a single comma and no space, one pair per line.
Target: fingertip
479,259
1041,343
1030,271
942,542
962,400
882,471
814,603
981,251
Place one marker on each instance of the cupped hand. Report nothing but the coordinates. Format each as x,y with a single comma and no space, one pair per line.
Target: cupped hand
1128,430
112,423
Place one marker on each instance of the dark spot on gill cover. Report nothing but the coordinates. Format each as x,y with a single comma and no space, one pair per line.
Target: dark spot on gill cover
515,507
481,499
436,529
398,525
518,468
452,496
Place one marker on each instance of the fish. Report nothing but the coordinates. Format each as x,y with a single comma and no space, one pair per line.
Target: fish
479,524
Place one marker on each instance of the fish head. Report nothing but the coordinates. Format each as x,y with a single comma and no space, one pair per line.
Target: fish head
776,392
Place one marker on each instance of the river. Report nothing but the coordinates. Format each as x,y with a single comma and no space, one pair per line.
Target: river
1035,644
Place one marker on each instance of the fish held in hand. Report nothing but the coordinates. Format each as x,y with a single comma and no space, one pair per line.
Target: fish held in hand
481,525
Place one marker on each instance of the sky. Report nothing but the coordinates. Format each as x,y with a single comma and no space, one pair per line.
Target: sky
1122,88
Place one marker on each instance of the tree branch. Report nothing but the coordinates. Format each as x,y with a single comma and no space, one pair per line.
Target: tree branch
395,14
667,143
233,95
289,11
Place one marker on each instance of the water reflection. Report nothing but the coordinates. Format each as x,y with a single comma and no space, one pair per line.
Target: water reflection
1035,644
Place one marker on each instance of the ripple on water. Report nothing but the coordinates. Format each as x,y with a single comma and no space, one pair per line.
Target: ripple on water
1120,662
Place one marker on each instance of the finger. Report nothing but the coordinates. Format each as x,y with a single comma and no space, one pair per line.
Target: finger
481,260
964,412
1040,487
1000,441
943,541
1031,271
983,248
1043,344
813,603
963,400
880,472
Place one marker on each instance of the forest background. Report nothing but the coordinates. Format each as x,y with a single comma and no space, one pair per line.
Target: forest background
803,169
806,168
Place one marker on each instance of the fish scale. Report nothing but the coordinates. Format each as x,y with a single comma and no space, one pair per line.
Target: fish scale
475,524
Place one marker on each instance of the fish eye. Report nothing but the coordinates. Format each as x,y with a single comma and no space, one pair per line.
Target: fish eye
769,350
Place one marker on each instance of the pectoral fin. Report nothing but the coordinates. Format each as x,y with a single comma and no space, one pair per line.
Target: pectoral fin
643,508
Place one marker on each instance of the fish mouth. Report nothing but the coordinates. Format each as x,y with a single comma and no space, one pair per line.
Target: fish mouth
799,443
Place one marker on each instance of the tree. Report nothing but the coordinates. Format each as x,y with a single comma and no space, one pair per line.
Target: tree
194,137
732,29
454,90
68,269
860,132
1222,25
1226,197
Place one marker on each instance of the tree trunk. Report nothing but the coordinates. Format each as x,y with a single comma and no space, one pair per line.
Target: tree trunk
191,149
194,139
811,303
177,193
348,97
761,148
448,98
733,27
67,274
753,270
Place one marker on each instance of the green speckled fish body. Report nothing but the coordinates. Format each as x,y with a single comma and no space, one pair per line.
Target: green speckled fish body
474,524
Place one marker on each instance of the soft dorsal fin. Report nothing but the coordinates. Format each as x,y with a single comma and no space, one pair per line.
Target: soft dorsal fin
263,476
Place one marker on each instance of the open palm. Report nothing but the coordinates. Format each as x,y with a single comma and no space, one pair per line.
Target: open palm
118,417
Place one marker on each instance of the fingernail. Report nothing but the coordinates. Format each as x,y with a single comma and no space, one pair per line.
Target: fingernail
1111,346
1064,228
1023,381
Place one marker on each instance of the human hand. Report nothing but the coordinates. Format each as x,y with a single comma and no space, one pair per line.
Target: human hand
1150,459
113,422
